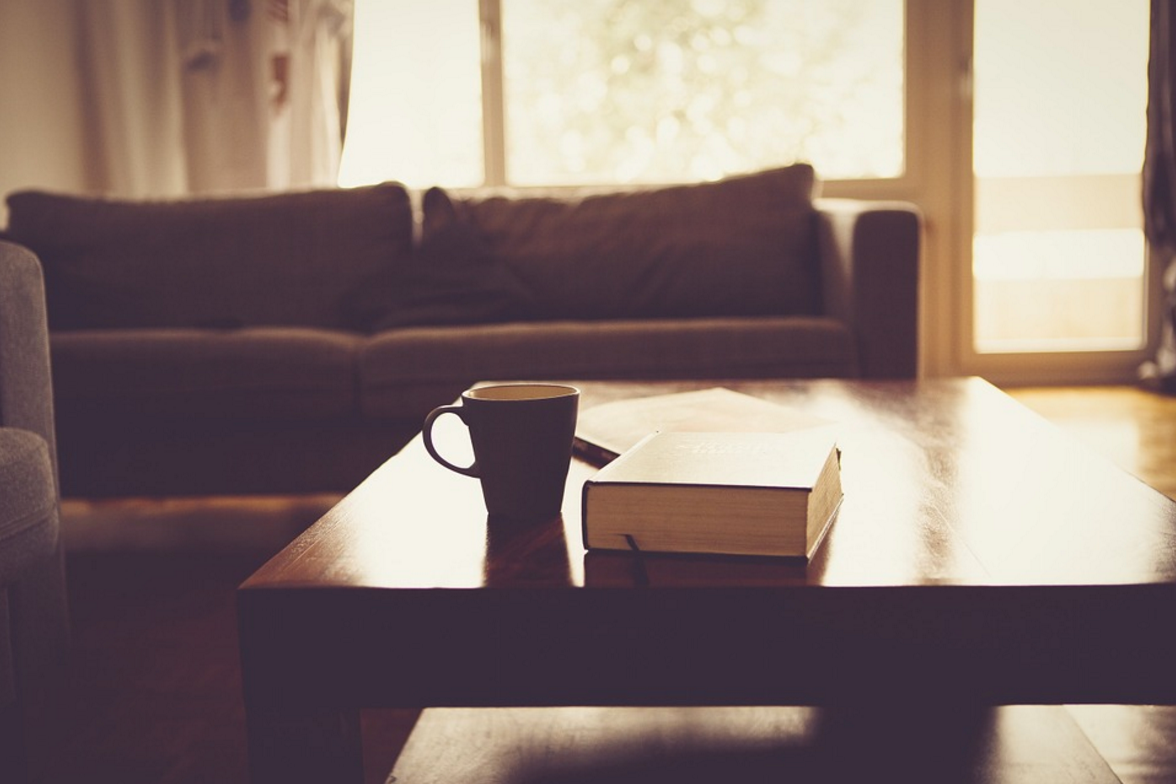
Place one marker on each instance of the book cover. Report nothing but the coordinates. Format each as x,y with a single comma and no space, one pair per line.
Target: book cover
606,430
717,492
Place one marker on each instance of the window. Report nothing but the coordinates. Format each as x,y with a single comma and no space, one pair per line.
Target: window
571,92
1060,123
414,113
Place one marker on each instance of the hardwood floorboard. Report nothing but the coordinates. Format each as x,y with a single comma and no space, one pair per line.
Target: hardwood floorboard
152,690
1134,428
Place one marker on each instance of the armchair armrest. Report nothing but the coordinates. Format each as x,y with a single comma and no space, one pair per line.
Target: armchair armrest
869,261
26,394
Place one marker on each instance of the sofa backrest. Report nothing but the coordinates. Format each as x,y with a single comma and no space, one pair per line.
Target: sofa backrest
744,245
345,258
306,258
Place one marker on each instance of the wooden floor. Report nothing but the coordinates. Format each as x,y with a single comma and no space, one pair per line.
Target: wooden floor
1133,428
152,692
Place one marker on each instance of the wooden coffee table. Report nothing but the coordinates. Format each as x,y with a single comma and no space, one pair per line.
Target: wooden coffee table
981,557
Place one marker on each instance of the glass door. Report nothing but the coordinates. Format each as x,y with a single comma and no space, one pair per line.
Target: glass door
1059,274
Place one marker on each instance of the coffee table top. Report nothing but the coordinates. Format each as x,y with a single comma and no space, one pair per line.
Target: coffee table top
979,553
947,483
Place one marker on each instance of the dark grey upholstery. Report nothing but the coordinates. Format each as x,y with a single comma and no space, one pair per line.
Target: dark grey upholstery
34,625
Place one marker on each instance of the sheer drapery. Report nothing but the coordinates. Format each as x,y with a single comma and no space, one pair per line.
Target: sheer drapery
133,134
197,96
1159,180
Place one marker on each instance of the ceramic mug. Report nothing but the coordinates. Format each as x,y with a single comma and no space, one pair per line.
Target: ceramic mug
522,439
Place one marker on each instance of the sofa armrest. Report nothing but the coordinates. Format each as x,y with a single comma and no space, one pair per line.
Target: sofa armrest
869,258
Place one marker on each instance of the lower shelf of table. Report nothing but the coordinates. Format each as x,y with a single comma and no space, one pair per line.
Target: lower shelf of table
578,745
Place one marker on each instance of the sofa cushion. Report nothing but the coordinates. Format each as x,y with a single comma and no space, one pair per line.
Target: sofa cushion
407,372
741,246
454,278
299,258
261,372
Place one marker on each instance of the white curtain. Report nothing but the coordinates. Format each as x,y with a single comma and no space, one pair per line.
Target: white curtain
199,96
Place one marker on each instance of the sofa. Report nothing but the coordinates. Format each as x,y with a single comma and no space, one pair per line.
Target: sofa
290,342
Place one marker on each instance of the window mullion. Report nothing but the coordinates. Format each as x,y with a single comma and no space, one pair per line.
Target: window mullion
493,103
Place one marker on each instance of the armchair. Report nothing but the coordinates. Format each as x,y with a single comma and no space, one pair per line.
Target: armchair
34,625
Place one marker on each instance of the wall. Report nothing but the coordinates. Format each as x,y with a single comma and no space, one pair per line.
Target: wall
41,108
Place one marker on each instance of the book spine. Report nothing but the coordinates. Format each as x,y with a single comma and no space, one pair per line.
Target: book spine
584,512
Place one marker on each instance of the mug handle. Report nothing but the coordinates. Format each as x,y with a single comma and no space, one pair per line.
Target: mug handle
427,435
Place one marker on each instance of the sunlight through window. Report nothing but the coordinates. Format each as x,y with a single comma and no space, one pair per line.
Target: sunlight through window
616,92
601,91
1060,122
415,111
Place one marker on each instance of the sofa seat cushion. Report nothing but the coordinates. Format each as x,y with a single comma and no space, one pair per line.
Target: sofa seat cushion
28,503
409,371
288,259
264,372
741,246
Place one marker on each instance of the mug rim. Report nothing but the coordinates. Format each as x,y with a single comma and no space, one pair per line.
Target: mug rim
515,392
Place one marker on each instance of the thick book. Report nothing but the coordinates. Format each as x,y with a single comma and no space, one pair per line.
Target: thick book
606,430
727,493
